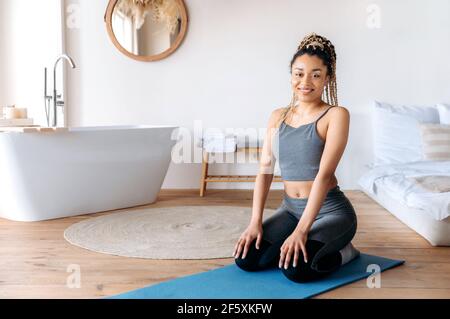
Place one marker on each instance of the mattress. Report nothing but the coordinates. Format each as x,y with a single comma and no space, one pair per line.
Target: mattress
405,181
425,211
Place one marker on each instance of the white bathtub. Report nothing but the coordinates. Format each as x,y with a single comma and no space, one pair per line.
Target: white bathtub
82,171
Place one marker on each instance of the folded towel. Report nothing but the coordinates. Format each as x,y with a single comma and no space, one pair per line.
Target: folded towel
218,142
220,148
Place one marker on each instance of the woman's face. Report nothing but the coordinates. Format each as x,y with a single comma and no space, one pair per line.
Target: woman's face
309,77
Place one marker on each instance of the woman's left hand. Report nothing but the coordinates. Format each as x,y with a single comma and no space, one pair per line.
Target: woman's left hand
292,246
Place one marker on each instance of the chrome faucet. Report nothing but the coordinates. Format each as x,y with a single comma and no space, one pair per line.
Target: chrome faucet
56,97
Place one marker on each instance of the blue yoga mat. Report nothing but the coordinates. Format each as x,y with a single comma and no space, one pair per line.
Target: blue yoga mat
231,282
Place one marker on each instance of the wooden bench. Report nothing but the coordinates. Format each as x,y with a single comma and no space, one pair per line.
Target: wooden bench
206,178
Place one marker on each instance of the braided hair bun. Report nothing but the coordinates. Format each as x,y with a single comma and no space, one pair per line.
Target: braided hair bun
314,44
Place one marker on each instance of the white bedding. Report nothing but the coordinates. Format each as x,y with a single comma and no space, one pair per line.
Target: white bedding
398,179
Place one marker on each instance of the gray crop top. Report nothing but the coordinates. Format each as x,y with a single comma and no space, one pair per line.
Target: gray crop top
300,151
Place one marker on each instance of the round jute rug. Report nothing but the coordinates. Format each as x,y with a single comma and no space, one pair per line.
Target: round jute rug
182,232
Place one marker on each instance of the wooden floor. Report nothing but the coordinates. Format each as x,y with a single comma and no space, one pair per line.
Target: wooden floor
34,257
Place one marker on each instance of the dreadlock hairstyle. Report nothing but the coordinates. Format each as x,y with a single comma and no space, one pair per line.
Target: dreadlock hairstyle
314,44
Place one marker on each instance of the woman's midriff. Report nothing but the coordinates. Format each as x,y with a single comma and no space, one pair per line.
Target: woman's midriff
301,189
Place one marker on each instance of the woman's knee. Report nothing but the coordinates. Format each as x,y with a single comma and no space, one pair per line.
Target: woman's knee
256,259
247,264
302,273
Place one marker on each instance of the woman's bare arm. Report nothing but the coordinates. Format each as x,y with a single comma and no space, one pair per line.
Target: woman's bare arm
336,141
266,169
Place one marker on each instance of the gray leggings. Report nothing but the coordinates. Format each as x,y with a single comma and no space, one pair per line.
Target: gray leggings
333,228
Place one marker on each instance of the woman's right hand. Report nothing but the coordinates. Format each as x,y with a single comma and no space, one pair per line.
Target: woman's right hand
254,230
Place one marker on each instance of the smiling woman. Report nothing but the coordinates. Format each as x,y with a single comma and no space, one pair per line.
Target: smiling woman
308,236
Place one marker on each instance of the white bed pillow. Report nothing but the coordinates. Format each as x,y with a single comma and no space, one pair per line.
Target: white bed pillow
436,141
397,137
444,113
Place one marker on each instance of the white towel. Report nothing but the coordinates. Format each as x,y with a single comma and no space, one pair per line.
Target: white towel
220,147
219,143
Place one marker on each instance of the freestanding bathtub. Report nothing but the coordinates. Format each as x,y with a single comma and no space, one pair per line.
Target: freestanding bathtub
82,171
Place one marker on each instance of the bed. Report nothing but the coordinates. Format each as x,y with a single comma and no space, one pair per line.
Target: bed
416,193
405,179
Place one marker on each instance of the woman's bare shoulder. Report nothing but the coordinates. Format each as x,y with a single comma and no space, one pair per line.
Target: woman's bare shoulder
339,108
276,114
278,111
339,113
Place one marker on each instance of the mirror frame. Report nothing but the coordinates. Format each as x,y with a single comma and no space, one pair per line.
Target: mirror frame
147,58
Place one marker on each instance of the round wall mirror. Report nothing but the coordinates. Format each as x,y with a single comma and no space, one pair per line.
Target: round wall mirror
146,30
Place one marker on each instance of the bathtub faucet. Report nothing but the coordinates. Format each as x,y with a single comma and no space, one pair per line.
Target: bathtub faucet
57,101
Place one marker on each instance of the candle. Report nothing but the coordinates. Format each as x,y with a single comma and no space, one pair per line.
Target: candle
15,113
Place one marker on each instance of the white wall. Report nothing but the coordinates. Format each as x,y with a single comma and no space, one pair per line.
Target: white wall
232,69
2,54
31,38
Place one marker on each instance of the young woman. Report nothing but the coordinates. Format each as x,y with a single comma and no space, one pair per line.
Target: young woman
310,234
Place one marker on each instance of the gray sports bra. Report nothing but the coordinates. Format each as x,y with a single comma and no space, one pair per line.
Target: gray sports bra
300,151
